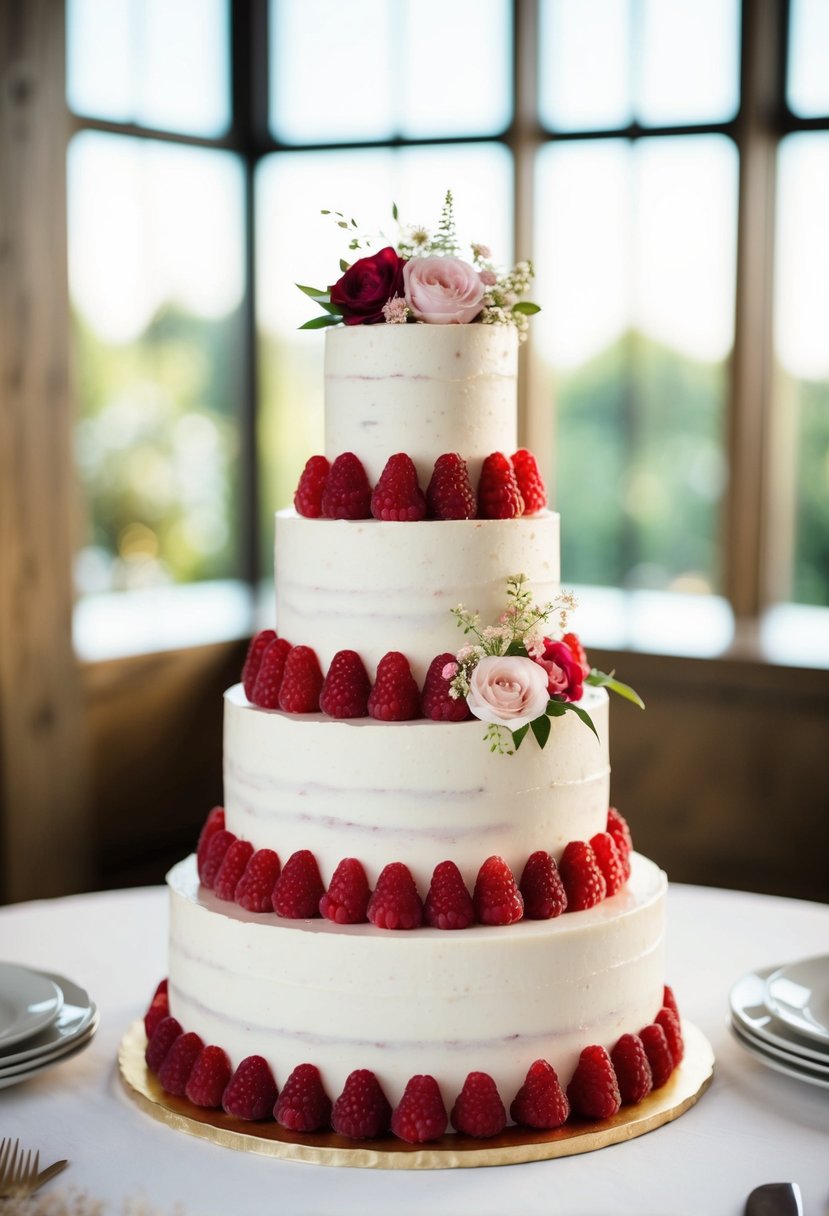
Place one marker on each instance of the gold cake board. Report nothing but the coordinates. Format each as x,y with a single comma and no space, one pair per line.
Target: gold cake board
514,1146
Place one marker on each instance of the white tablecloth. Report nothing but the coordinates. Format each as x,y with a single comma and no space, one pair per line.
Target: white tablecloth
753,1125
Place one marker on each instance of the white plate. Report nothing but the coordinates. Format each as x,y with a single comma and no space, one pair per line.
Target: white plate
789,1069
750,1012
781,1053
33,1067
29,1001
798,994
74,1018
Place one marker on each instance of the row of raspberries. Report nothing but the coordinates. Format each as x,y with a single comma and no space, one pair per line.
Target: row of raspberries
602,1083
256,880
507,488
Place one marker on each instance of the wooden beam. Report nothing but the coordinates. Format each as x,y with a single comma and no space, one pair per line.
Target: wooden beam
44,824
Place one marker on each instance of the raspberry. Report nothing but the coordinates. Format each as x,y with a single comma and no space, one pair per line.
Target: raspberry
219,844
251,1091
668,1000
159,1008
617,828
395,903
301,683
540,1102
214,823
397,495
299,888
347,494
593,1090
346,687
232,868
346,900
633,1072
608,861
436,702
498,493
530,483
259,643
575,647
163,1038
303,1105
448,904
420,1114
362,1110
395,696
309,492
478,1109
496,898
271,674
449,494
254,890
541,887
174,1073
582,878
658,1052
667,1019
209,1078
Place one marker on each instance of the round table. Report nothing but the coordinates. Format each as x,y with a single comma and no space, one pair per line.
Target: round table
752,1126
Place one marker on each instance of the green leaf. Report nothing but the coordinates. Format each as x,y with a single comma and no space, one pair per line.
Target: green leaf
541,728
321,322
557,709
525,307
344,265
342,223
518,735
314,292
599,680
394,213
517,648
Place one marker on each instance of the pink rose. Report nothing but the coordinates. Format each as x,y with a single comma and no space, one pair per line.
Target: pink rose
509,691
442,290
564,671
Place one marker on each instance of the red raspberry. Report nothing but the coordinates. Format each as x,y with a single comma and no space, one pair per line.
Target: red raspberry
259,643
667,1019
164,988
397,495
436,702
346,900
617,827
346,687
254,890
530,482
163,1038
541,887
593,1090
158,1010
420,1114
251,1091
395,696
633,1072
302,682
575,647
448,904
362,1110
309,492
271,674
540,1102
449,494
608,861
347,494
582,878
215,822
209,1078
219,844
299,888
496,897
303,1105
395,903
232,868
498,493
174,1073
668,999
658,1052
478,1109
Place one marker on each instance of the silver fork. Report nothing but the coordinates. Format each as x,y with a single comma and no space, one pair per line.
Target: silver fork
18,1169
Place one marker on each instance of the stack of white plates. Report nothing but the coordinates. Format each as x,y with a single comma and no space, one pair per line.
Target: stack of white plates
44,1019
781,1016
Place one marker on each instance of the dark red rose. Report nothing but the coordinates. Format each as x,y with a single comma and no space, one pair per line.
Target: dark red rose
367,285
564,672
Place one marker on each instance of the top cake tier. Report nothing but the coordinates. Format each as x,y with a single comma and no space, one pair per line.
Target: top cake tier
423,390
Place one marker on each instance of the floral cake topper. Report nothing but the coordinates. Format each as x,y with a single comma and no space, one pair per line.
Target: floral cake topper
422,279
517,677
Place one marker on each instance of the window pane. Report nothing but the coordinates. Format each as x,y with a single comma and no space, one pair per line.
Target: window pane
636,278
808,79
340,75
802,349
298,245
156,279
606,63
150,62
